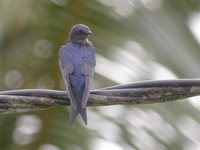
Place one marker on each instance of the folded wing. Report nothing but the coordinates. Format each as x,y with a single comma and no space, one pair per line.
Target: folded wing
67,68
88,71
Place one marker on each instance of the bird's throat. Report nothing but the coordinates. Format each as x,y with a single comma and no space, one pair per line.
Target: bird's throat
81,41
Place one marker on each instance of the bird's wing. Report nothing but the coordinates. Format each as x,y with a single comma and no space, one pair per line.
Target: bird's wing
88,72
67,68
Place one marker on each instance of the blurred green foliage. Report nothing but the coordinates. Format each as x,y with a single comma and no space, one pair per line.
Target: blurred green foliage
134,40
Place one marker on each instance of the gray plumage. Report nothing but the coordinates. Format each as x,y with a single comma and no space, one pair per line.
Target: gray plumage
77,63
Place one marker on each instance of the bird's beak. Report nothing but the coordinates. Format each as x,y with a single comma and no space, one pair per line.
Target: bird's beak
89,32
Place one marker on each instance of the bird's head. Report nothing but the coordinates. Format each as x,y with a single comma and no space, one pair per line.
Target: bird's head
79,33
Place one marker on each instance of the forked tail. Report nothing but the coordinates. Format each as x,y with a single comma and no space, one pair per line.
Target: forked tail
74,113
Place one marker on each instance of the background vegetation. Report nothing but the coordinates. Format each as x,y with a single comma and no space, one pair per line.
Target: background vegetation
135,40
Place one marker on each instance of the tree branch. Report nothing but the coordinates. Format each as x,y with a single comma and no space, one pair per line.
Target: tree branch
145,92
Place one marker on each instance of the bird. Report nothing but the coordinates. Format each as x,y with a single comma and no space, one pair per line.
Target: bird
77,62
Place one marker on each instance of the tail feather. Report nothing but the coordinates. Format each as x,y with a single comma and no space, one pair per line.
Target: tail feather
83,114
74,113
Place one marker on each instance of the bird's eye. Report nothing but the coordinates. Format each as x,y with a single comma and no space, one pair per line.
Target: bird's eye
79,31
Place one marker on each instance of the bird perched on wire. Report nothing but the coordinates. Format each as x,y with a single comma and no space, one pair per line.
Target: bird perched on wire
77,63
